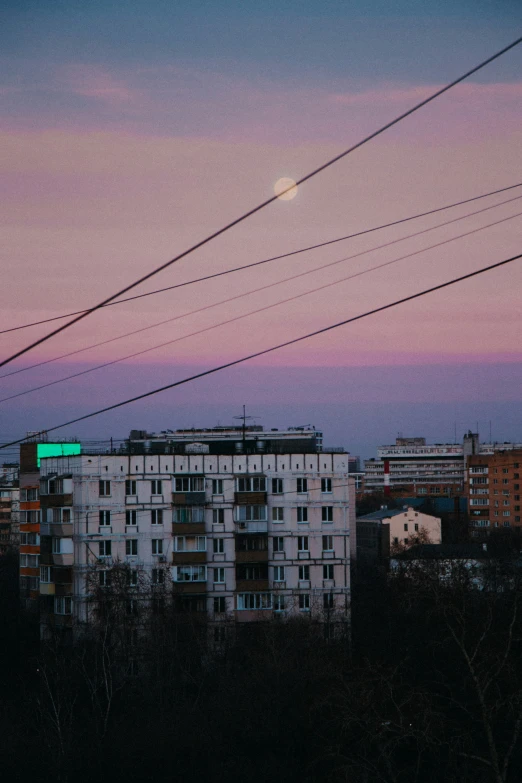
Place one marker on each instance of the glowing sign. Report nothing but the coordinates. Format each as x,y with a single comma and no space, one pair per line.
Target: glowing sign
56,450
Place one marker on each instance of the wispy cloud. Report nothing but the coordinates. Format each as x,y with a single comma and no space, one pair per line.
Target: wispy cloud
91,81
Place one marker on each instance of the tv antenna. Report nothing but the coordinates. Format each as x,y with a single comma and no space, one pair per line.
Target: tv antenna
244,418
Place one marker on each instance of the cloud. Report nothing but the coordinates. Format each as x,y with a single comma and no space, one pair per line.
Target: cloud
91,81
394,95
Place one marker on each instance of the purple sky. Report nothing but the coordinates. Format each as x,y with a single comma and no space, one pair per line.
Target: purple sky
124,139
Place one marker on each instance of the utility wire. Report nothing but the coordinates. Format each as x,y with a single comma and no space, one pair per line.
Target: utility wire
273,258
273,348
265,287
264,308
263,204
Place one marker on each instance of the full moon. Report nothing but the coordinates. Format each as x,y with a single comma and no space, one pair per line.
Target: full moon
283,184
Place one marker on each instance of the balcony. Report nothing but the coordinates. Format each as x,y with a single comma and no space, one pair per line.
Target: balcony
251,585
259,526
250,498
188,498
186,558
252,556
190,587
188,528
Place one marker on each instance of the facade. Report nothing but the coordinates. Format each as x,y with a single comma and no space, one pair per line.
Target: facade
412,467
9,508
406,525
31,454
493,491
234,536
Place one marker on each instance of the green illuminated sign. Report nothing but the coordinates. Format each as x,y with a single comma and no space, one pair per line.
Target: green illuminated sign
56,450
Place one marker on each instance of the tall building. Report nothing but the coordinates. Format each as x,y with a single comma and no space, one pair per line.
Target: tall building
31,454
9,508
412,467
493,490
232,524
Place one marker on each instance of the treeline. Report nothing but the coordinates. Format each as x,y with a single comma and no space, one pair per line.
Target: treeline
429,690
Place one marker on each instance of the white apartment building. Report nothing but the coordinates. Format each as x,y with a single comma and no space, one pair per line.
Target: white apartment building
413,466
234,536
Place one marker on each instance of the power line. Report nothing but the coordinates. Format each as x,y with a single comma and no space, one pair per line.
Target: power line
266,307
263,204
273,258
266,287
277,347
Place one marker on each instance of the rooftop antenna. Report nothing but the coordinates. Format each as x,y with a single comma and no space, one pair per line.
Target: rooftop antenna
244,418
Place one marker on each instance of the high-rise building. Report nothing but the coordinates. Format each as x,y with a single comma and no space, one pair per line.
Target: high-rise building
9,508
411,467
493,491
230,524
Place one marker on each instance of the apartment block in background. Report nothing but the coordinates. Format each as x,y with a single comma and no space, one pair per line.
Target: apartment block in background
493,491
411,467
31,453
9,507
231,524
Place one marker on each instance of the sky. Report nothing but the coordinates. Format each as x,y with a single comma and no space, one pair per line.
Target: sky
130,130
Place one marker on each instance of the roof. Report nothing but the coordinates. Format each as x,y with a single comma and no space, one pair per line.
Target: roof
382,513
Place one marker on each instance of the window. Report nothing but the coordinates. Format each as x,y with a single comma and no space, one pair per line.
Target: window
217,486
218,545
251,484
506,481
190,544
45,574
29,561
279,573
278,514
130,487
328,544
302,543
278,544
62,605
326,485
251,543
131,517
251,572
304,573
505,513
156,516
190,573
189,514
279,603
220,605
158,576
277,486
218,516
190,484
56,546
405,527
219,576
327,513
105,548
304,602
132,578
251,601
505,502
416,527
131,547
395,541
328,571
328,601
104,578
251,513
302,485
505,470
30,539
302,514
157,546
105,488
105,518
156,487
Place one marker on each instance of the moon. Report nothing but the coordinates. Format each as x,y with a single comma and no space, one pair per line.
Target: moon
288,185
